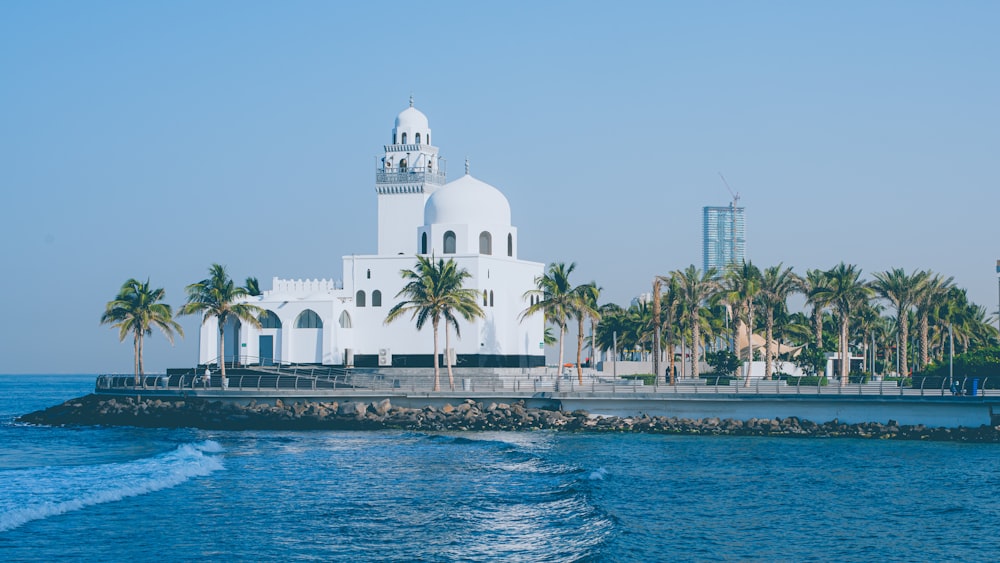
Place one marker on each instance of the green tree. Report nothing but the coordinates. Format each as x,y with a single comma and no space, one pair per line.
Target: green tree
741,288
815,279
218,297
252,287
555,299
900,289
929,298
845,291
776,285
137,309
695,288
434,291
584,307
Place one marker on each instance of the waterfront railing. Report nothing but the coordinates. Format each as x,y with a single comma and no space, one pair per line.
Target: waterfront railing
326,380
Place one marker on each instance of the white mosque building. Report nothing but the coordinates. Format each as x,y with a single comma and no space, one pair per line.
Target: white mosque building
331,323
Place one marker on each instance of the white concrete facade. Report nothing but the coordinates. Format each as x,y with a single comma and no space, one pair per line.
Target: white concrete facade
342,322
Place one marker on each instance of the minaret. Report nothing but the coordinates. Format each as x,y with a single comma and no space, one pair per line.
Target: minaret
408,174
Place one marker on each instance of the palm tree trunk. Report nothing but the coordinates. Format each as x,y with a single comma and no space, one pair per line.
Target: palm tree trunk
818,327
769,345
135,359
904,338
924,329
844,359
142,371
447,356
437,368
695,340
222,349
562,334
746,378
579,350
670,350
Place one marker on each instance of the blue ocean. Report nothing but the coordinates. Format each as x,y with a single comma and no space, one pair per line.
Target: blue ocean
129,494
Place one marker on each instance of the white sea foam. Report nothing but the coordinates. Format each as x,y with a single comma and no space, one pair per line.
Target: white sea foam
598,474
34,494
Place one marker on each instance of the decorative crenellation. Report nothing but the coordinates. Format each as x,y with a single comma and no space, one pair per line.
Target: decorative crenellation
279,285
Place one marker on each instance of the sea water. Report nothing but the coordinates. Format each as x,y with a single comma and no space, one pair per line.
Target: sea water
129,494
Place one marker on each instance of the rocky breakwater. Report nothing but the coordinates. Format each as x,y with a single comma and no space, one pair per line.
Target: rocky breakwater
468,415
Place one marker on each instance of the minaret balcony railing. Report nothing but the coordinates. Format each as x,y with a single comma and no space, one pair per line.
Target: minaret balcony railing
414,175
409,147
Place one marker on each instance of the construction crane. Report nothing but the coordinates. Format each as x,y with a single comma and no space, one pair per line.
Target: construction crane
732,216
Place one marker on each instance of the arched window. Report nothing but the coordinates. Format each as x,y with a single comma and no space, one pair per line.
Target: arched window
491,298
484,298
369,274
376,298
402,163
430,166
345,320
423,243
449,242
404,138
510,244
485,243
308,319
417,138
428,138
269,320
359,298
394,138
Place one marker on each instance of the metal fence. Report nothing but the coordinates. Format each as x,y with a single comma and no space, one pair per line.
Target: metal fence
327,379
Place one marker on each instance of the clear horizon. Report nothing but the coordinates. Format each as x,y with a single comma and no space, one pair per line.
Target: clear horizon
153,139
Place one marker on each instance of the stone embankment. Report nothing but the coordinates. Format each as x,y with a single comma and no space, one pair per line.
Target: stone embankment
467,415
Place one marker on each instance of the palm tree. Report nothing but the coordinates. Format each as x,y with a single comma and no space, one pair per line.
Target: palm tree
584,307
434,290
252,287
776,285
555,299
813,280
694,288
900,289
137,309
930,296
657,289
671,310
845,292
218,297
741,288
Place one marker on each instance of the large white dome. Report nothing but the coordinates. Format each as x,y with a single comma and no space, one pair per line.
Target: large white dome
411,119
467,201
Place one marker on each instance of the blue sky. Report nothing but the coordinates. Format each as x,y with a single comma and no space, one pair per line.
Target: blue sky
150,139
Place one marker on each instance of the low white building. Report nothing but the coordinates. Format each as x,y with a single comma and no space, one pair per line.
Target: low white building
343,323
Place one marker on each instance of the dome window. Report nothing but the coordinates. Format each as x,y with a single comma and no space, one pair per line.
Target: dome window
359,298
369,275
485,243
449,242
394,137
428,138
423,243
376,298
308,319
404,138
417,138
510,245
491,298
269,320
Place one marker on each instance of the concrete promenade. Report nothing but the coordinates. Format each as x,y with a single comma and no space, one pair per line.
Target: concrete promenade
851,404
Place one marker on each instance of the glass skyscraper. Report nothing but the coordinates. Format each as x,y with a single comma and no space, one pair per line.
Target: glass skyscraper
723,238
